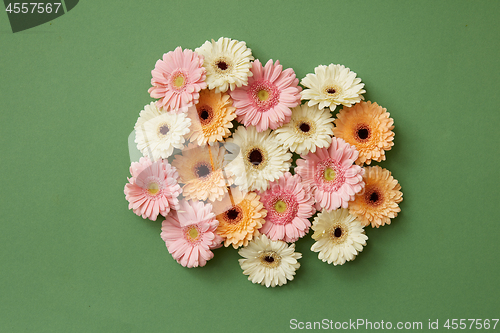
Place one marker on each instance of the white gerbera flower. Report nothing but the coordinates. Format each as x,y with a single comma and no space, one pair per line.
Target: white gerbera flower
259,159
227,63
331,86
157,133
270,263
309,128
339,236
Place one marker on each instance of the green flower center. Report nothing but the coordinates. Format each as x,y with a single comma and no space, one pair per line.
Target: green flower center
153,188
263,95
329,174
179,81
193,233
280,206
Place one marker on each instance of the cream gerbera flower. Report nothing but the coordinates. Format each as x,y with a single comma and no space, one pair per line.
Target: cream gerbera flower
200,170
157,133
240,217
211,119
309,128
256,158
332,85
270,263
227,63
339,236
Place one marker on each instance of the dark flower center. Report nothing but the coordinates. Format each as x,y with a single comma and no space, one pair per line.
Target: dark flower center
331,91
305,127
222,65
337,232
363,133
164,129
205,113
255,157
269,259
233,215
202,171
374,197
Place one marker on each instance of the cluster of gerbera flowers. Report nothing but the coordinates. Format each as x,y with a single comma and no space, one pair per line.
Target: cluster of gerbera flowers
217,162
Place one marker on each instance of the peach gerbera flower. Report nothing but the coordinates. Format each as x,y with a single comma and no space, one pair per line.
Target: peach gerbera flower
378,203
177,79
201,171
240,216
366,126
211,119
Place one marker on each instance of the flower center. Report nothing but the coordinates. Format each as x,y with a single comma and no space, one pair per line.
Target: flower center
270,259
153,188
362,133
222,65
179,80
337,232
205,113
331,91
233,215
329,174
280,206
304,127
192,234
202,170
373,197
263,95
255,157
164,129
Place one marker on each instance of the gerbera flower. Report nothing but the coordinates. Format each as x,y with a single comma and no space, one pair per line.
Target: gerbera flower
378,203
266,101
309,128
153,188
270,263
200,170
331,174
240,216
177,79
227,63
189,233
158,133
339,236
211,119
332,85
289,204
368,127
259,159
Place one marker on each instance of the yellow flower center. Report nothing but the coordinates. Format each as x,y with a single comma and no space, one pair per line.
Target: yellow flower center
329,174
179,81
263,95
193,233
153,188
280,206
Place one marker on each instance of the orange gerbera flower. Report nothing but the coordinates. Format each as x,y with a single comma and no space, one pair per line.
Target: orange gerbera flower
367,126
240,216
211,118
378,203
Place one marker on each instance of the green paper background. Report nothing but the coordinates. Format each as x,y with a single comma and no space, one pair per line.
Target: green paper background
73,258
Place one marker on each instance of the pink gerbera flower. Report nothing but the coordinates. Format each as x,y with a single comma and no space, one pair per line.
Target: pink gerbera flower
266,101
289,204
331,174
177,79
153,188
189,233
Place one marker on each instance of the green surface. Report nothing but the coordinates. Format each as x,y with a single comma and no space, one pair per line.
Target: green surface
73,258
